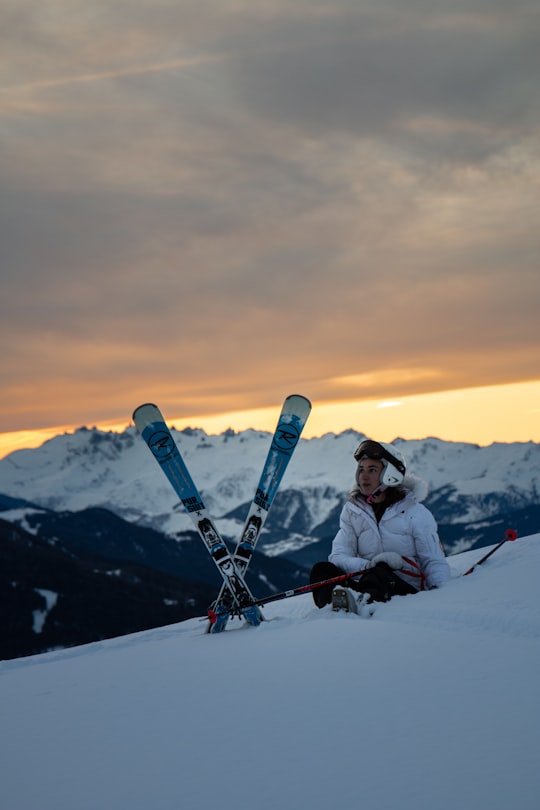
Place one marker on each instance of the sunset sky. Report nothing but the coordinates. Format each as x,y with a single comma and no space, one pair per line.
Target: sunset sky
210,205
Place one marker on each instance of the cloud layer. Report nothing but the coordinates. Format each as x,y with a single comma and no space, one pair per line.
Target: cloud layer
210,203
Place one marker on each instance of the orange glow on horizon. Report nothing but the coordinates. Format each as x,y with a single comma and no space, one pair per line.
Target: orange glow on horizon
505,413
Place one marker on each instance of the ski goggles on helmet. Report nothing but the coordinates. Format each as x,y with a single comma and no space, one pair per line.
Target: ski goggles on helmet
393,462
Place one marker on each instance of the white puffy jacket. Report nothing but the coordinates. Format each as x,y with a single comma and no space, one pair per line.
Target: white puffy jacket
406,527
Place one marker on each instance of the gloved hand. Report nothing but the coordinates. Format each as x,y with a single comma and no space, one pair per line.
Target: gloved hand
391,558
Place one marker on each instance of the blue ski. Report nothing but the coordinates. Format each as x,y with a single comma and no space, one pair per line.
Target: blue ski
156,434
293,417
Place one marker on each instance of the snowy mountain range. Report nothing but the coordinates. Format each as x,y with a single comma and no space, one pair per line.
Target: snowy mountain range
432,704
474,492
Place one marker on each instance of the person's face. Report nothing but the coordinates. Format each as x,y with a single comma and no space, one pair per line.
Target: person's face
369,475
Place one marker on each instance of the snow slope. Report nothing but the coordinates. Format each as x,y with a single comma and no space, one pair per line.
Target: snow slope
431,705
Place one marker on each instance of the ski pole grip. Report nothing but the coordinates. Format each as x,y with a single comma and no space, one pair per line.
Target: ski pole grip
511,534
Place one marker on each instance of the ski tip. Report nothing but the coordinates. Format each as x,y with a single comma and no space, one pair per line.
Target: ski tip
301,397
142,409
144,405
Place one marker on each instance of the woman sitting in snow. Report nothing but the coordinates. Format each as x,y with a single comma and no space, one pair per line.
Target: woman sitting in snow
385,531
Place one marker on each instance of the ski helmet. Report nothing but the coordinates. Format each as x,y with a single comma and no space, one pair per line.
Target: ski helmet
392,460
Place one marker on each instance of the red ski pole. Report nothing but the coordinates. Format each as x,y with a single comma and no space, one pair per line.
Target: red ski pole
510,534
308,588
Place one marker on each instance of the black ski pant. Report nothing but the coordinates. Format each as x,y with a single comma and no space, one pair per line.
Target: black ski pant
380,582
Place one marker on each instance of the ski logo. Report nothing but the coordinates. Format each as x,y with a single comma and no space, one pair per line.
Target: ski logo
162,445
262,499
192,504
286,437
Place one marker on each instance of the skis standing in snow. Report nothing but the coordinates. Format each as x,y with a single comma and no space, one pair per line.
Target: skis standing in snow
385,529
234,597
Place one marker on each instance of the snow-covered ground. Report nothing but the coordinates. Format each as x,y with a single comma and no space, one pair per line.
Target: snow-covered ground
430,705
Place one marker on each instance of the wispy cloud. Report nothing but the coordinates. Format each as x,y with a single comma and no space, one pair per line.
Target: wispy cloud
118,73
